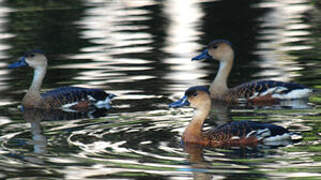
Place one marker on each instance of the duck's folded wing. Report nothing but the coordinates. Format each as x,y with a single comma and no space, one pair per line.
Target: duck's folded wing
65,96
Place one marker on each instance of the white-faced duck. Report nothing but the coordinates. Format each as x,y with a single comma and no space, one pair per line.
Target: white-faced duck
60,98
235,133
255,91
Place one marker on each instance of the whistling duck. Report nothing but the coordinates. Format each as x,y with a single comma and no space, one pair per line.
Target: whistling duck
235,133
255,91
61,98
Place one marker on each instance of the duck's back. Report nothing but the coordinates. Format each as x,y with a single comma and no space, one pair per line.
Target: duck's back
243,128
238,132
74,97
266,90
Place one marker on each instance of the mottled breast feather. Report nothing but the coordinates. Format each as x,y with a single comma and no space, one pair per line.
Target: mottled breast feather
66,95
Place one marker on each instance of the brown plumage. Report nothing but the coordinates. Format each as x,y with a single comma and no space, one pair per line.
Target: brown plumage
235,133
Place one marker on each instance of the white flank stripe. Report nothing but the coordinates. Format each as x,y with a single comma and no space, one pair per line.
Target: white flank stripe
268,91
254,95
90,98
103,104
66,107
294,94
282,137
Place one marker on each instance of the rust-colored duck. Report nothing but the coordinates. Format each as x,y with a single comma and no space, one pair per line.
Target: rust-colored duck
235,133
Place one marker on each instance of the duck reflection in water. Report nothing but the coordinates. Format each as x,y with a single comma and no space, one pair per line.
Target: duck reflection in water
234,133
39,142
261,91
65,98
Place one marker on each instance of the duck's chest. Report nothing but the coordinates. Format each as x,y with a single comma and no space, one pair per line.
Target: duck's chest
33,100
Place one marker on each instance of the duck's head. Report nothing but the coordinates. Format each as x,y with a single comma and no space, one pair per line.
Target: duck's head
220,50
34,59
196,97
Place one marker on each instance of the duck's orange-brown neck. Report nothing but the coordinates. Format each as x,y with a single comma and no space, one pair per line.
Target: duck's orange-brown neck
193,132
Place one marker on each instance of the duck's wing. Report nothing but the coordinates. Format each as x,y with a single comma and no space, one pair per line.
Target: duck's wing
268,90
66,97
245,129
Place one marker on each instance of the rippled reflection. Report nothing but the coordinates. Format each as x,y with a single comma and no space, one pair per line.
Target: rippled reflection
280,27
3,47
184,18
141,51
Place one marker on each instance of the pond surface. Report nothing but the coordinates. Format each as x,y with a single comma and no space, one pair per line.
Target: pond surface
141,51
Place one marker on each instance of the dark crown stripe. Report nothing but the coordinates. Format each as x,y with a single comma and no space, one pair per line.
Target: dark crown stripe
218,41
190,91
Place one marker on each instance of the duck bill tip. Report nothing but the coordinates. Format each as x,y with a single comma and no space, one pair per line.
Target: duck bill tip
20,63
180,103
204,55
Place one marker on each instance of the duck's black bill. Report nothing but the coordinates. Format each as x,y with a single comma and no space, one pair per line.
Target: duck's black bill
203,55
22,62
180,103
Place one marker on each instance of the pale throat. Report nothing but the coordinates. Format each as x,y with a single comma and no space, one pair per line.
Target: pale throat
38,76
219,84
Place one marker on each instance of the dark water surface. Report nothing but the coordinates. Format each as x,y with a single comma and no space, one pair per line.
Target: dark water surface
141,51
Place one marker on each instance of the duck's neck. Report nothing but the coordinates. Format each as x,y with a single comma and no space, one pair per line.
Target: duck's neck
219,85
38,76
193,132
33,98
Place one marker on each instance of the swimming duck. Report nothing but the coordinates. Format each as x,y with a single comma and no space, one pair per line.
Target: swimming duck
61,98
235,133
255,91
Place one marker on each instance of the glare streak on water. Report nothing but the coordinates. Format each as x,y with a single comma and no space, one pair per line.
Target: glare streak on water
184,18
141,51
4,35
283,25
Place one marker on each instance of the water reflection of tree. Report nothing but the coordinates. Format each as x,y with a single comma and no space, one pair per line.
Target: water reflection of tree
45,24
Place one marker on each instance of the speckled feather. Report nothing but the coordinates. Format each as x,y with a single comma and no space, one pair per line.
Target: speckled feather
224,133
242,128
258,88
66,95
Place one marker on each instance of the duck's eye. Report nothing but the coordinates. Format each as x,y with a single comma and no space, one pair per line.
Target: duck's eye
214,47
194,94
31,55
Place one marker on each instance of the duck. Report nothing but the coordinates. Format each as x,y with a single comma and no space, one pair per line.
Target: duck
230,134
66,98
253,91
